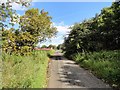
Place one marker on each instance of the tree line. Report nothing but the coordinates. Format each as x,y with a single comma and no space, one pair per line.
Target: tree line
101,32
58,47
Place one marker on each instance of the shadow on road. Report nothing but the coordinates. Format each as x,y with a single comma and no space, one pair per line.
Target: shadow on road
66,73
56,57
75,76
71,77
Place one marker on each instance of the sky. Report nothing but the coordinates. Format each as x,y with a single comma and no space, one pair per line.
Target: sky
65,14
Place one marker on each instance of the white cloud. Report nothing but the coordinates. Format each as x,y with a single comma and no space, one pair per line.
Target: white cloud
62,29
59,24
16,6
53,41
3,1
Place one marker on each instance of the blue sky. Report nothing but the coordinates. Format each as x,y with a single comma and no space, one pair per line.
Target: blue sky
65,14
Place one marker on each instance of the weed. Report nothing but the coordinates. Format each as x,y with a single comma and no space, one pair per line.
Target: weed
104,64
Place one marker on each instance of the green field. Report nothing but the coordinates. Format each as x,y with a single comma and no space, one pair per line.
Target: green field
25,71
104,64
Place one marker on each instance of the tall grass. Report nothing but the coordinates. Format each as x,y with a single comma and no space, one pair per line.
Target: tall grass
104,64
0,70
25,71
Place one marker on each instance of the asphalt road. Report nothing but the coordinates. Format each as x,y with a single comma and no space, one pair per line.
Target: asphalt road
65,73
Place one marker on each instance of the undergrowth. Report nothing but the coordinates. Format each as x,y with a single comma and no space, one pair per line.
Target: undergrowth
104,64
25,71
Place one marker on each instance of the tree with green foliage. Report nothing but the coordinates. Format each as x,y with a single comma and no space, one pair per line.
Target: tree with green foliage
35,26
43,46
60,46
38,25
98,33
8,17
95,44
52,46
7,14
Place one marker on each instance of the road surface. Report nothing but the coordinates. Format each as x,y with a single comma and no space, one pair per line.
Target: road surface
65,73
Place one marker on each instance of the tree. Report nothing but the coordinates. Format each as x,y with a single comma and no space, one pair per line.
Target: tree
38,25
34,27
99,33
60,46
7,14
52,46
43,46
9,17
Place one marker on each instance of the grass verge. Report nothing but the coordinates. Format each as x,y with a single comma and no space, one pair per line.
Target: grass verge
104,64
25,71
0,71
